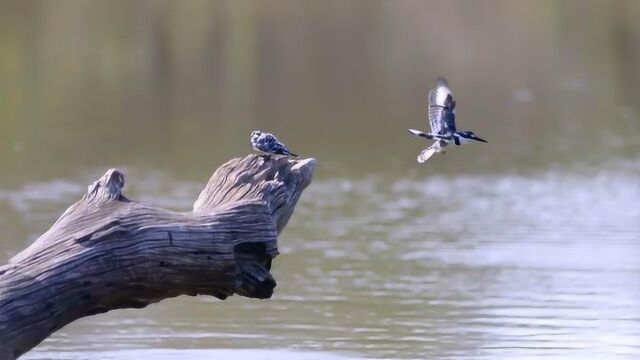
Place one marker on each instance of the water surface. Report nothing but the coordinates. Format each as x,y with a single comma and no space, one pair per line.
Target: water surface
469,266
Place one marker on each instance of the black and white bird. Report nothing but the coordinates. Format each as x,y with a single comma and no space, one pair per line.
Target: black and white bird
442,119
267,144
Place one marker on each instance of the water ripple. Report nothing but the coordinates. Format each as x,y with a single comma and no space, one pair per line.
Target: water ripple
477,267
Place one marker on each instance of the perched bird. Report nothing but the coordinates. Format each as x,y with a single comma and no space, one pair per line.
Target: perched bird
267,144
442,119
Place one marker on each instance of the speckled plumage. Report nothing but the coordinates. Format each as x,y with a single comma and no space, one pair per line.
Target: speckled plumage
267,143
442,120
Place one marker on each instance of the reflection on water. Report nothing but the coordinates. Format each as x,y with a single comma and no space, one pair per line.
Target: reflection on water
169,354
469,266
171,86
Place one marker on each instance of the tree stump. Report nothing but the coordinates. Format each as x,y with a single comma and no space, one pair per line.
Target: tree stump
107,252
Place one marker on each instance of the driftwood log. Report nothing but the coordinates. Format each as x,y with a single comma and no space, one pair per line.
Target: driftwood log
107,252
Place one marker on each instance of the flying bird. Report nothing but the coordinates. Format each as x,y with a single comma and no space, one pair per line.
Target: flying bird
267,144
442,119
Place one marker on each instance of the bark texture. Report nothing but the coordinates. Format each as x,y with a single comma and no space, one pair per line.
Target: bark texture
107,252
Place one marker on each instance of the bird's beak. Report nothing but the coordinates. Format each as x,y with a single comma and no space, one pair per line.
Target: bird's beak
478,139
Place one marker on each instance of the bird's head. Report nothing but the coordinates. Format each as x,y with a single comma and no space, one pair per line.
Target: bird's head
471,136
255,134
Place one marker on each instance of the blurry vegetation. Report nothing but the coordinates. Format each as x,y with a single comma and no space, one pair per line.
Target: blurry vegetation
179,84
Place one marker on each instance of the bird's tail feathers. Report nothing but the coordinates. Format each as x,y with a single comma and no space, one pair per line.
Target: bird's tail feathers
426,154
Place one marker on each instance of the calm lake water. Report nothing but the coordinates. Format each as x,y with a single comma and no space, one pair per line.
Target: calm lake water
527,247
469,266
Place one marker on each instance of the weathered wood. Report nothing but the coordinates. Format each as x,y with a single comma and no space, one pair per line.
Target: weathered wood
106,252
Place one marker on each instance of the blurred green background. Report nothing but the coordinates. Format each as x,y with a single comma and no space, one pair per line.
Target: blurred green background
525,247
179,85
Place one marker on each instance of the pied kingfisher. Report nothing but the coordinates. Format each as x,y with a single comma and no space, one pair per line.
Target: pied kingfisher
442,118
267,144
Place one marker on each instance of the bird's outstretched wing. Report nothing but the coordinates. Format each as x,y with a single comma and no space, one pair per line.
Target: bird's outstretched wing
442,107
420,133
